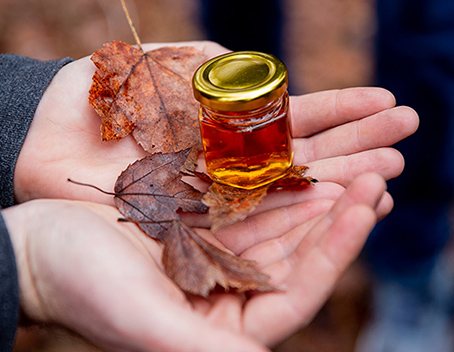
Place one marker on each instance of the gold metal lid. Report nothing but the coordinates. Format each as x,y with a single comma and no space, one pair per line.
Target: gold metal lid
239,81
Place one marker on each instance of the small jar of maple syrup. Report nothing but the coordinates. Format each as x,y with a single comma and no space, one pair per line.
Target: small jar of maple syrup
244,118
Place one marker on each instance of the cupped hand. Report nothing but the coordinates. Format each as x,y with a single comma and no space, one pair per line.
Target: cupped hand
339,134
80,268
64,140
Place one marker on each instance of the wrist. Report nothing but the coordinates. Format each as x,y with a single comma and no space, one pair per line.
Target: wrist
17,220
24,81
9,290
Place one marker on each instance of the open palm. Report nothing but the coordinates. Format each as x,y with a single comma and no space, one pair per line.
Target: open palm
80,268
104,280
339,134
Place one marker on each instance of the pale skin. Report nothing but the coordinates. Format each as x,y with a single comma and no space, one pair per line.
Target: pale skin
80,268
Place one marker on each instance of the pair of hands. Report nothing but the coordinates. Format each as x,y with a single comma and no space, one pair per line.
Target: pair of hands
80,268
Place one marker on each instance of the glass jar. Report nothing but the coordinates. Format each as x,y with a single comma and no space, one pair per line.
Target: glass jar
244,118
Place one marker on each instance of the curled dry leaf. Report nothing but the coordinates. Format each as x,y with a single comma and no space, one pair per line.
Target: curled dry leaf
198,266
295,178
151,191
148,94
228,205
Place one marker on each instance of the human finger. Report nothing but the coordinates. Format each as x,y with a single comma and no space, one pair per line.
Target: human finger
379,130
387,162
311,281
269,225
280,245
274,199
309,274
277,244
316,112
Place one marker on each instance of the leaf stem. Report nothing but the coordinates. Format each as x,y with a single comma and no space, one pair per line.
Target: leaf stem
121,193
145,221
92,186
131,25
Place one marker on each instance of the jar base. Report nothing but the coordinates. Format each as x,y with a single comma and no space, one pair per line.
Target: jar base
249,177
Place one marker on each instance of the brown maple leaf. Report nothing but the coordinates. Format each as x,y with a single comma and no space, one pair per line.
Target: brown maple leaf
151,191
148,94
295,178
197,266
228,205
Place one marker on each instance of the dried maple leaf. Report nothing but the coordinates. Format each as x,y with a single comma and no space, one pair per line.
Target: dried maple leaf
228,205
150,192
148,94
295,178
197,266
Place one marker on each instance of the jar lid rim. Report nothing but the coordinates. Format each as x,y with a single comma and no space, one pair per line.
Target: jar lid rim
241,80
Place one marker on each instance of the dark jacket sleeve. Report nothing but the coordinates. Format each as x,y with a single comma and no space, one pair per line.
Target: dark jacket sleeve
9,290
23,82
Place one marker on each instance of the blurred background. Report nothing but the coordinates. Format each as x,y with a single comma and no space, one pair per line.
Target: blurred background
326,44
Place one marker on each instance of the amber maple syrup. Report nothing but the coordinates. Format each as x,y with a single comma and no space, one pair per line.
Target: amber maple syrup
247,149
244,118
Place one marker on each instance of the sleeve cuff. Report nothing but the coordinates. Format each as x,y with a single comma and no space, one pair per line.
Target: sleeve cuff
24,81
9,290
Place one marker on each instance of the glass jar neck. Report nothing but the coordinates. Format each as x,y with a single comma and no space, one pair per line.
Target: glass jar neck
249,117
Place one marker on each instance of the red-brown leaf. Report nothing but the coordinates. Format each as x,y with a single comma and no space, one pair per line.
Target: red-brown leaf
197,266
148,94
229,204
295,178
150,192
